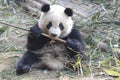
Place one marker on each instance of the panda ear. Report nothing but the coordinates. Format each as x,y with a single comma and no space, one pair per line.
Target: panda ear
68,11
45,8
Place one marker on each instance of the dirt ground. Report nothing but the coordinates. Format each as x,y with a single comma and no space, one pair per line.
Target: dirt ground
15,38
7,71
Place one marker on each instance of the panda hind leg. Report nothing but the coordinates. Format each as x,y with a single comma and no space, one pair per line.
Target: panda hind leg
26,62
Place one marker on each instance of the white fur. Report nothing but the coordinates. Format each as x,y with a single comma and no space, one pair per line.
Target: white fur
56,15
55,30
54,64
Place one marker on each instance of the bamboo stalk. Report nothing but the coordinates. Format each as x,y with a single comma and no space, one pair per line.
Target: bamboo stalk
43,1
38,3
46,35
56,39
30,8
35,3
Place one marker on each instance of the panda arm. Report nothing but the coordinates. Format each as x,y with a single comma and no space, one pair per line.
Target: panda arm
35,40
75,41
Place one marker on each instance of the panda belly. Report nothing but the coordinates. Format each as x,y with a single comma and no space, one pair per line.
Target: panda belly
53,56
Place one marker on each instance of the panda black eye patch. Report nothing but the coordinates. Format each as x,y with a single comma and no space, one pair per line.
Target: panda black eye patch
49,25
61,26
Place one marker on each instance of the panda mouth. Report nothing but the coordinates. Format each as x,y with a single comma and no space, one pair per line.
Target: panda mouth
53,35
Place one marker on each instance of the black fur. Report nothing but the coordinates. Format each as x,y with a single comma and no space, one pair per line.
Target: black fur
61,26
26,62
49,25
45,8
36,41
68,12
75,41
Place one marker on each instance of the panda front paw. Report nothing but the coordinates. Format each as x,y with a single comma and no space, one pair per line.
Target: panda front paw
36,30
21,69
73,44
77,47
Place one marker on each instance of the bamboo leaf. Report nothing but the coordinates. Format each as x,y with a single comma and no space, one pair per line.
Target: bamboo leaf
3,29
77,63
112,73
117,78
118,62
105,60
96,17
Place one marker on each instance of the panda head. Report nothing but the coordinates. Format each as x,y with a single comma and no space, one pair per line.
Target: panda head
56,20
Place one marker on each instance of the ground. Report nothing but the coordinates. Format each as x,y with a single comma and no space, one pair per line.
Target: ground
12,43
7,71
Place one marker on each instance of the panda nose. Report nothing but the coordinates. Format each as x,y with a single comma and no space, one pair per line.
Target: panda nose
54,35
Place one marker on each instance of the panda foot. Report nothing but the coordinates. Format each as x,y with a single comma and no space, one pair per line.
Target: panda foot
21,69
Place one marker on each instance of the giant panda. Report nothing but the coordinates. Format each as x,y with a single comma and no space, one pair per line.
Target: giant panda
56,21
